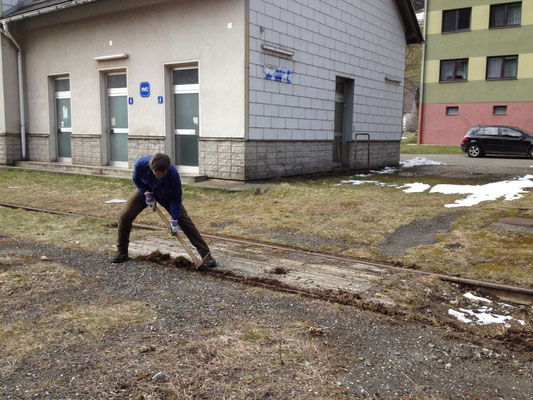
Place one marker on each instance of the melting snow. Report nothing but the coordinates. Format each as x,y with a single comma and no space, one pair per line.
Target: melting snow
509,190
416,187
482,317
417,161
471,296
115,201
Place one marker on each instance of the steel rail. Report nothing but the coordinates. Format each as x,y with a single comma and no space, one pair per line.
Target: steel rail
512,293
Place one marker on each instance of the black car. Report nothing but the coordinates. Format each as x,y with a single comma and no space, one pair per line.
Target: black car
497,139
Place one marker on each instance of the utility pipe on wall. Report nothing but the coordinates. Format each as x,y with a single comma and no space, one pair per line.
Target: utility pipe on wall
423,76
7,34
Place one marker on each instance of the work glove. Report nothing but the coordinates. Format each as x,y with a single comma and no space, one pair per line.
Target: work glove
150,200
173,227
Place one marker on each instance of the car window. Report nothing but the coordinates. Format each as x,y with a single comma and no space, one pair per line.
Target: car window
509,132
488,131
471,132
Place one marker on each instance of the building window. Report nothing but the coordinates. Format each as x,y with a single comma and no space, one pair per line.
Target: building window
452,110
505,67
502,15
499,110
456,20
453,70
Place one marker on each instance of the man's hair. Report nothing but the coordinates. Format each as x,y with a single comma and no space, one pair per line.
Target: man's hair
160,162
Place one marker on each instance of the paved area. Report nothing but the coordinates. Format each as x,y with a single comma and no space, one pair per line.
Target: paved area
462,165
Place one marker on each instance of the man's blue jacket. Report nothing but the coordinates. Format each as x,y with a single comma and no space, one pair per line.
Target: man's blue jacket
167,190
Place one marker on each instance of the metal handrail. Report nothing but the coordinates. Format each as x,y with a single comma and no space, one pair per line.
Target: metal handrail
368,151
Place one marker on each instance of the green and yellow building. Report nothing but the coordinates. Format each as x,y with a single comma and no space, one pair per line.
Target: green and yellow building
477,67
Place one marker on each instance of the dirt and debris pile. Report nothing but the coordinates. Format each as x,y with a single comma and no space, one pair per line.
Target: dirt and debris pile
166,260
432,301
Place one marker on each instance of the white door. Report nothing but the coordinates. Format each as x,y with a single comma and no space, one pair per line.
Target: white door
186,90
63,119
117,103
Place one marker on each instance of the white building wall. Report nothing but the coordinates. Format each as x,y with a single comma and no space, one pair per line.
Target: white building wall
153,35
357,39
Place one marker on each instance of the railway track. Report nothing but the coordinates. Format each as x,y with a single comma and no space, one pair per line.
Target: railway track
515,294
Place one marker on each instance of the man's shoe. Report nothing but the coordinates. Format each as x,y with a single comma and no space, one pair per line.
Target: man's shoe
120,258
210,262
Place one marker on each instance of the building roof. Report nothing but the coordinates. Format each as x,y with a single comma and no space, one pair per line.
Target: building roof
413,34
30,8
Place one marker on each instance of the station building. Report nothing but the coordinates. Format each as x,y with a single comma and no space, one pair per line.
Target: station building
230,89
477,68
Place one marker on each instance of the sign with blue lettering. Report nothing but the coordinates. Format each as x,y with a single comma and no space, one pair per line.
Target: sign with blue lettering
145,89
160,99
130,100
277,74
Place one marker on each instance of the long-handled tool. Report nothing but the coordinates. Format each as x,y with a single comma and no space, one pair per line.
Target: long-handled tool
196,261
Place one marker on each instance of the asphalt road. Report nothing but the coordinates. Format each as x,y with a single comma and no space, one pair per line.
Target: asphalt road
461,163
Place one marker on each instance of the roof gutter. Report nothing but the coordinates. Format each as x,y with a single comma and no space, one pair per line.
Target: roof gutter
7,34
45,10
407,13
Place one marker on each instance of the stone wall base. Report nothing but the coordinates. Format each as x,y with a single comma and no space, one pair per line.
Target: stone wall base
143,146
219,159
250,160
38,147
10,148
382,154
86,150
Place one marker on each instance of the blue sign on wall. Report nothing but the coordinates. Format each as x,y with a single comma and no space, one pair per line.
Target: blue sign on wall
130,100
277,74
160,99
145,89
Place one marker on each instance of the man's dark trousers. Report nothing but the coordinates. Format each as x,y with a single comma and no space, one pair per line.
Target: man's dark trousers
135,205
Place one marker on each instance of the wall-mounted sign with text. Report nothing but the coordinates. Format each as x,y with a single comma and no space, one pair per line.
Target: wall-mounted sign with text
277,74
145,89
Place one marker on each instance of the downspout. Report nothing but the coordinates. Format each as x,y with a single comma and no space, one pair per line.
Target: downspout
422,78
7,34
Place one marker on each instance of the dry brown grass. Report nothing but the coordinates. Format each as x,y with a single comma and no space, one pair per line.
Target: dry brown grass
312,214
75,325
34,279
240,361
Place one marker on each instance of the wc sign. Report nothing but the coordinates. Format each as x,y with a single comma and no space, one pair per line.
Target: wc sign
145,89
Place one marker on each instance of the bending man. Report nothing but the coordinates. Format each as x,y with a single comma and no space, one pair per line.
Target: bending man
157,180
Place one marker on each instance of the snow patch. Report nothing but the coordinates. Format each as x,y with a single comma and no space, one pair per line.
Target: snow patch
417,161
483,316
471,296
415,187
115,201
509,190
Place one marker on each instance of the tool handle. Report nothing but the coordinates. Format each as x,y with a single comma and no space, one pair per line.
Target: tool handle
197,262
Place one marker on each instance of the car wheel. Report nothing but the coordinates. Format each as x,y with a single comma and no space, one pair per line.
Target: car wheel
474,151
531,152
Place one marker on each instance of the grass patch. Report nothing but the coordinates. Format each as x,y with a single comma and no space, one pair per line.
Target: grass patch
409,145
227,363
34,279
78,325
315,214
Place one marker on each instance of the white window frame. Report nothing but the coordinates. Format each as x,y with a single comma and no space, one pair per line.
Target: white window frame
186,89
57,96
